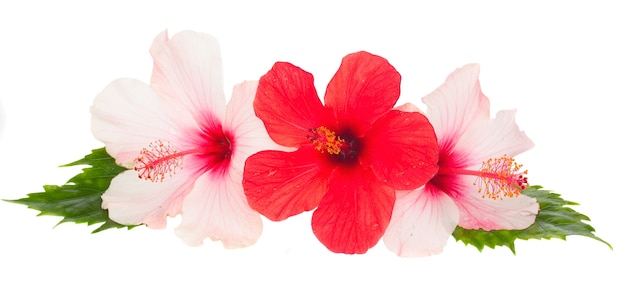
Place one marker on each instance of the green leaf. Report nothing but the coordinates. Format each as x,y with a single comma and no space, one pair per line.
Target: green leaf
554,220
79,201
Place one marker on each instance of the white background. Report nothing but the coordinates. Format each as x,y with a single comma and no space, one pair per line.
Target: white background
561,65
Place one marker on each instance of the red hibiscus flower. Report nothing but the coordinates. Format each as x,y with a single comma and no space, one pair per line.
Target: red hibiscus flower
350,154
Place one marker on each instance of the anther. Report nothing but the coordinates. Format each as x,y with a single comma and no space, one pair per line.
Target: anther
158,160
501,177
325,140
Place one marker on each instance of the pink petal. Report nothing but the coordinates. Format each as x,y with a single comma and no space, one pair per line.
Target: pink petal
128,115
422,222
281,184
287,103
364,88
409,107
188,69
353,215
217,208
249,134
401,148
488,214
494,138
133,201
456,105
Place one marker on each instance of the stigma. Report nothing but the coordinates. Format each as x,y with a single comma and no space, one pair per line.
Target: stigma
501,178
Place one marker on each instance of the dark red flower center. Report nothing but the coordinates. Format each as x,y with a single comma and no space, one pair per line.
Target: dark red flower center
343,148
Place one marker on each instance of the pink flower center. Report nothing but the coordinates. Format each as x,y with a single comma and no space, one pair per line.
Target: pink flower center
342,148
161,159
496,179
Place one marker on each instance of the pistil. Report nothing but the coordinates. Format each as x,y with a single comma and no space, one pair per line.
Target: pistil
497,178
161,159
325,140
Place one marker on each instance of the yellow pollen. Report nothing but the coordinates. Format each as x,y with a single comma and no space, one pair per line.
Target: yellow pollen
501,177
325,140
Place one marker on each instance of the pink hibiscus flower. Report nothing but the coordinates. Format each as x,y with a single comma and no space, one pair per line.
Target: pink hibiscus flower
352,153
186,146
478,184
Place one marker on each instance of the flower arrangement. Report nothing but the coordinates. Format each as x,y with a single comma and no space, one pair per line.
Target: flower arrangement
369,168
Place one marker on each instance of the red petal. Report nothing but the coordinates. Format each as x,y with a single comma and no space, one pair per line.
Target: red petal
355,212
281,184
365,87
288,105
401,149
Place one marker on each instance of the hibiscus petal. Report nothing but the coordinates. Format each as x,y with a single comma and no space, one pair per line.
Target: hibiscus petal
133,201
494,138
488,214
422,222
402,150
355,212
281,184
217,208
248,130
128,115
364,88
409,107
456,105
288,105
188,68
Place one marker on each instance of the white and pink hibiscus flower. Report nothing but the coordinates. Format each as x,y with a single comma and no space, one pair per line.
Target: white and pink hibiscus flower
478,185
185,146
